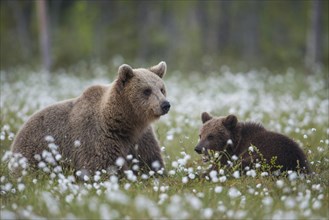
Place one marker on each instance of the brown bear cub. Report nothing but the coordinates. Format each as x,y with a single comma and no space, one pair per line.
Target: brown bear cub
102,129
226,134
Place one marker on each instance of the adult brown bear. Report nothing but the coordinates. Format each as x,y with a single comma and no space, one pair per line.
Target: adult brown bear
105,123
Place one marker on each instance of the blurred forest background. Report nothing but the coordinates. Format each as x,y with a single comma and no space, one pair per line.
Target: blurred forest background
189,35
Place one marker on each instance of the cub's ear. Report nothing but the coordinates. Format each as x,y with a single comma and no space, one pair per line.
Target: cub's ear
230,122
159,69
205,117
125,74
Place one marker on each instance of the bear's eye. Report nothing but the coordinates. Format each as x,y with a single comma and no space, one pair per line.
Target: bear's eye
163,91
210,137
147,92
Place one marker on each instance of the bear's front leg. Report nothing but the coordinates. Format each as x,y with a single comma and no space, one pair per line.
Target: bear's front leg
148,152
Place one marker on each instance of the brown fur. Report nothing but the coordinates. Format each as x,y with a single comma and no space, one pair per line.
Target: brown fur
110,121
216,131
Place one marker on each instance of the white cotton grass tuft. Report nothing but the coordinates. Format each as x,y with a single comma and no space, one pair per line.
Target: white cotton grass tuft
218,189
119,161
233,193
236,174
49,138
184,179
156,165
304,198
77,143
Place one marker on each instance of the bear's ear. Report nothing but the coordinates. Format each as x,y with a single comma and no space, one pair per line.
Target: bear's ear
230,122
125,74
205,117
159,69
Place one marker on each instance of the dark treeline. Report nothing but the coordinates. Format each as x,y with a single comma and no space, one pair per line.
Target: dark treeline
192,35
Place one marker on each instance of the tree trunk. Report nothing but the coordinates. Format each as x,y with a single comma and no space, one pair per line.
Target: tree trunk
224,26
250,31
44,34
22,28
314,41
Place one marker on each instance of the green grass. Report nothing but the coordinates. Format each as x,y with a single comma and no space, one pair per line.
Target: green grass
288,103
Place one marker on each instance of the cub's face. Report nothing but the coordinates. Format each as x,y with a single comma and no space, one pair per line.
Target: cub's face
215,133
145,90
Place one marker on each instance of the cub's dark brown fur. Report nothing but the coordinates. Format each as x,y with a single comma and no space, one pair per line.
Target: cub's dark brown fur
106,122
226,133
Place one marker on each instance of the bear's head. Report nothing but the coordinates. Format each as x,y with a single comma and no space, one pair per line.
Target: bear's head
144,90
216,134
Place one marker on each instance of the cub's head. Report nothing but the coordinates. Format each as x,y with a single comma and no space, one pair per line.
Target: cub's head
144,89
216,133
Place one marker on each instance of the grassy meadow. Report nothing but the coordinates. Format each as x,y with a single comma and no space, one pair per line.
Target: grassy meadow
291,103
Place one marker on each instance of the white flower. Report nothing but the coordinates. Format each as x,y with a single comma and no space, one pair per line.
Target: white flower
135,167
171,172
213,174
222,179
78,173
267,201
236,174
292,175
69,198
120,161
77,143
316,205
49,138
191,176
97,178
207,213
127,186
85,178
218,189
251,173
264,174
37,157
156,165
41,164
58,157
251,149
234,157
7,187
144,176
170,137
233,192
184,179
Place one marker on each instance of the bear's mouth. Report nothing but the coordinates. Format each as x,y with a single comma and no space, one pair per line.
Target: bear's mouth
205,158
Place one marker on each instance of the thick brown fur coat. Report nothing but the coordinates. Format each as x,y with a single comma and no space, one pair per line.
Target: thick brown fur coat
103,124
226,133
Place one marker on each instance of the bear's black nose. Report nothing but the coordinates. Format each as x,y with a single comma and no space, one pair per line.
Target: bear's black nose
198,150
165,106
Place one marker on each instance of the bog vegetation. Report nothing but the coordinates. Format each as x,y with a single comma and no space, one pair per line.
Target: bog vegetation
287,103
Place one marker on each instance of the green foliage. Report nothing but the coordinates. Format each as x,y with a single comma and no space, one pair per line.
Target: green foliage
299,110
191,35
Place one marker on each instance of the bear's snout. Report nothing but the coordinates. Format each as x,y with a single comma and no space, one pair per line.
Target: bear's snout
198,149
165,106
